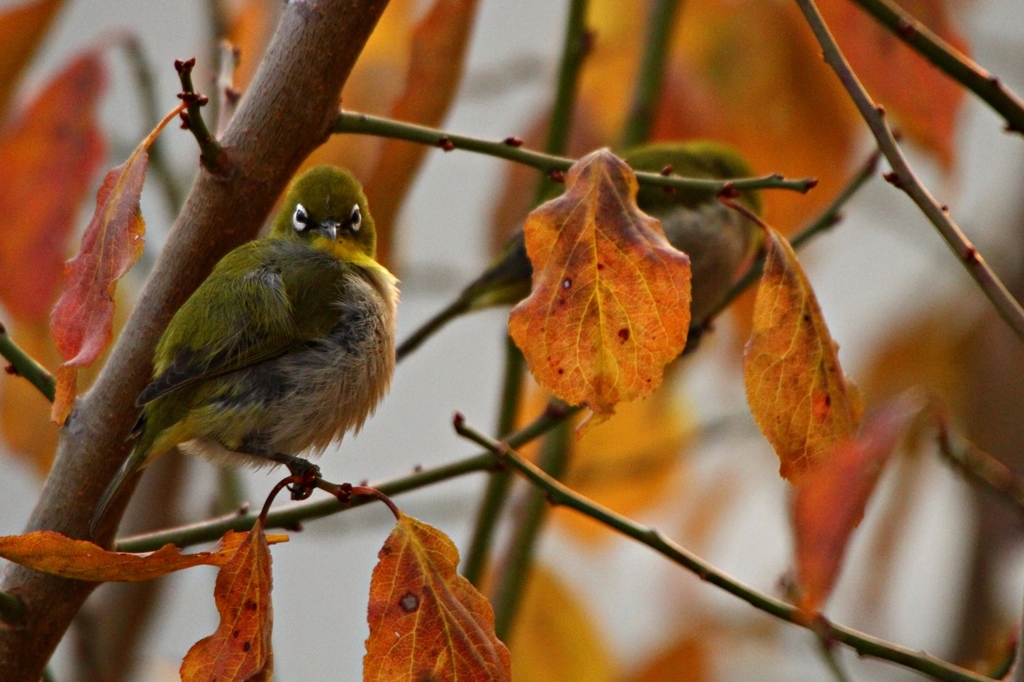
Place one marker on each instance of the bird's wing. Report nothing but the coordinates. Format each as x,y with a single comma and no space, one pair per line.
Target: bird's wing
241,315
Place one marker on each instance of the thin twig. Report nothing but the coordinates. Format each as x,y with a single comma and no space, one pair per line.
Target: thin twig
865,645
660,29
365,124
979,464
23,365
904,178
211,154
227,96
290,516
951,61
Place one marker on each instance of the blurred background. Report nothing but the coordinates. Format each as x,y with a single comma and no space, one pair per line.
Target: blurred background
937,563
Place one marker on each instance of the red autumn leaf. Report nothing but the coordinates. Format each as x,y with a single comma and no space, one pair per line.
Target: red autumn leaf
240,647
21,30
610,304
797,392
83,317
925,103
56,554
48,158
439,43
829,501
427,622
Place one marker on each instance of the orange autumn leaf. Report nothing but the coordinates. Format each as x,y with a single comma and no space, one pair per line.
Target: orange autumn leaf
556,638
56,554
924,102
83,318
689,659
22,27
426,620
437,53
610,304
240,647
48,158
829,501
796,389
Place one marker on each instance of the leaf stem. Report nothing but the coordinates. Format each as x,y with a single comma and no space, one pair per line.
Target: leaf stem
365,124
866,645
904,178
211,154
825,220
948,59
22,364
290,516
660,29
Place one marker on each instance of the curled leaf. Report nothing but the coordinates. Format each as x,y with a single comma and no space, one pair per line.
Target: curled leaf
57,554
796,389
240,647
829,501
610,305
427,622
83,317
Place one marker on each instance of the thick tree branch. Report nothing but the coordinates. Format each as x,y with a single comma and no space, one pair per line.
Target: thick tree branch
290,111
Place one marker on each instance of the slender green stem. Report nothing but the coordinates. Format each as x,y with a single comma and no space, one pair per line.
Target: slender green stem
365,124
950,60
22,364
554,461
11,607
904,178
866,645
500,482
151,114
291,515
832,662
825,220
660,29
575,47
454,309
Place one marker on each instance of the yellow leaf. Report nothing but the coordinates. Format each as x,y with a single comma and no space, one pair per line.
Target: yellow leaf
610,305
795,387
556,638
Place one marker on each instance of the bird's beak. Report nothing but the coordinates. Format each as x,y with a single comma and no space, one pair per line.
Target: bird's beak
330,228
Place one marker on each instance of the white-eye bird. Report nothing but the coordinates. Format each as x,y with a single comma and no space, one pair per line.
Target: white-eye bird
285,347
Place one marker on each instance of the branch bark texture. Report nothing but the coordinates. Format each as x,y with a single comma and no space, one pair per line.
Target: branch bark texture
288,111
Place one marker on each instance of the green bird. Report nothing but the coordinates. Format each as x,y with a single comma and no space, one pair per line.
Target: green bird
717,239
285,347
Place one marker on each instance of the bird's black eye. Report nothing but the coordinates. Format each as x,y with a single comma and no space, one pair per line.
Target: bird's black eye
300,219
355,221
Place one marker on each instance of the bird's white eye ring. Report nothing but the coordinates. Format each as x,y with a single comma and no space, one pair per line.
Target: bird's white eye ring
355,221
300,219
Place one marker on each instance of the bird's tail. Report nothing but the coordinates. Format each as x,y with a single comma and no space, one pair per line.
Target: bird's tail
136,459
